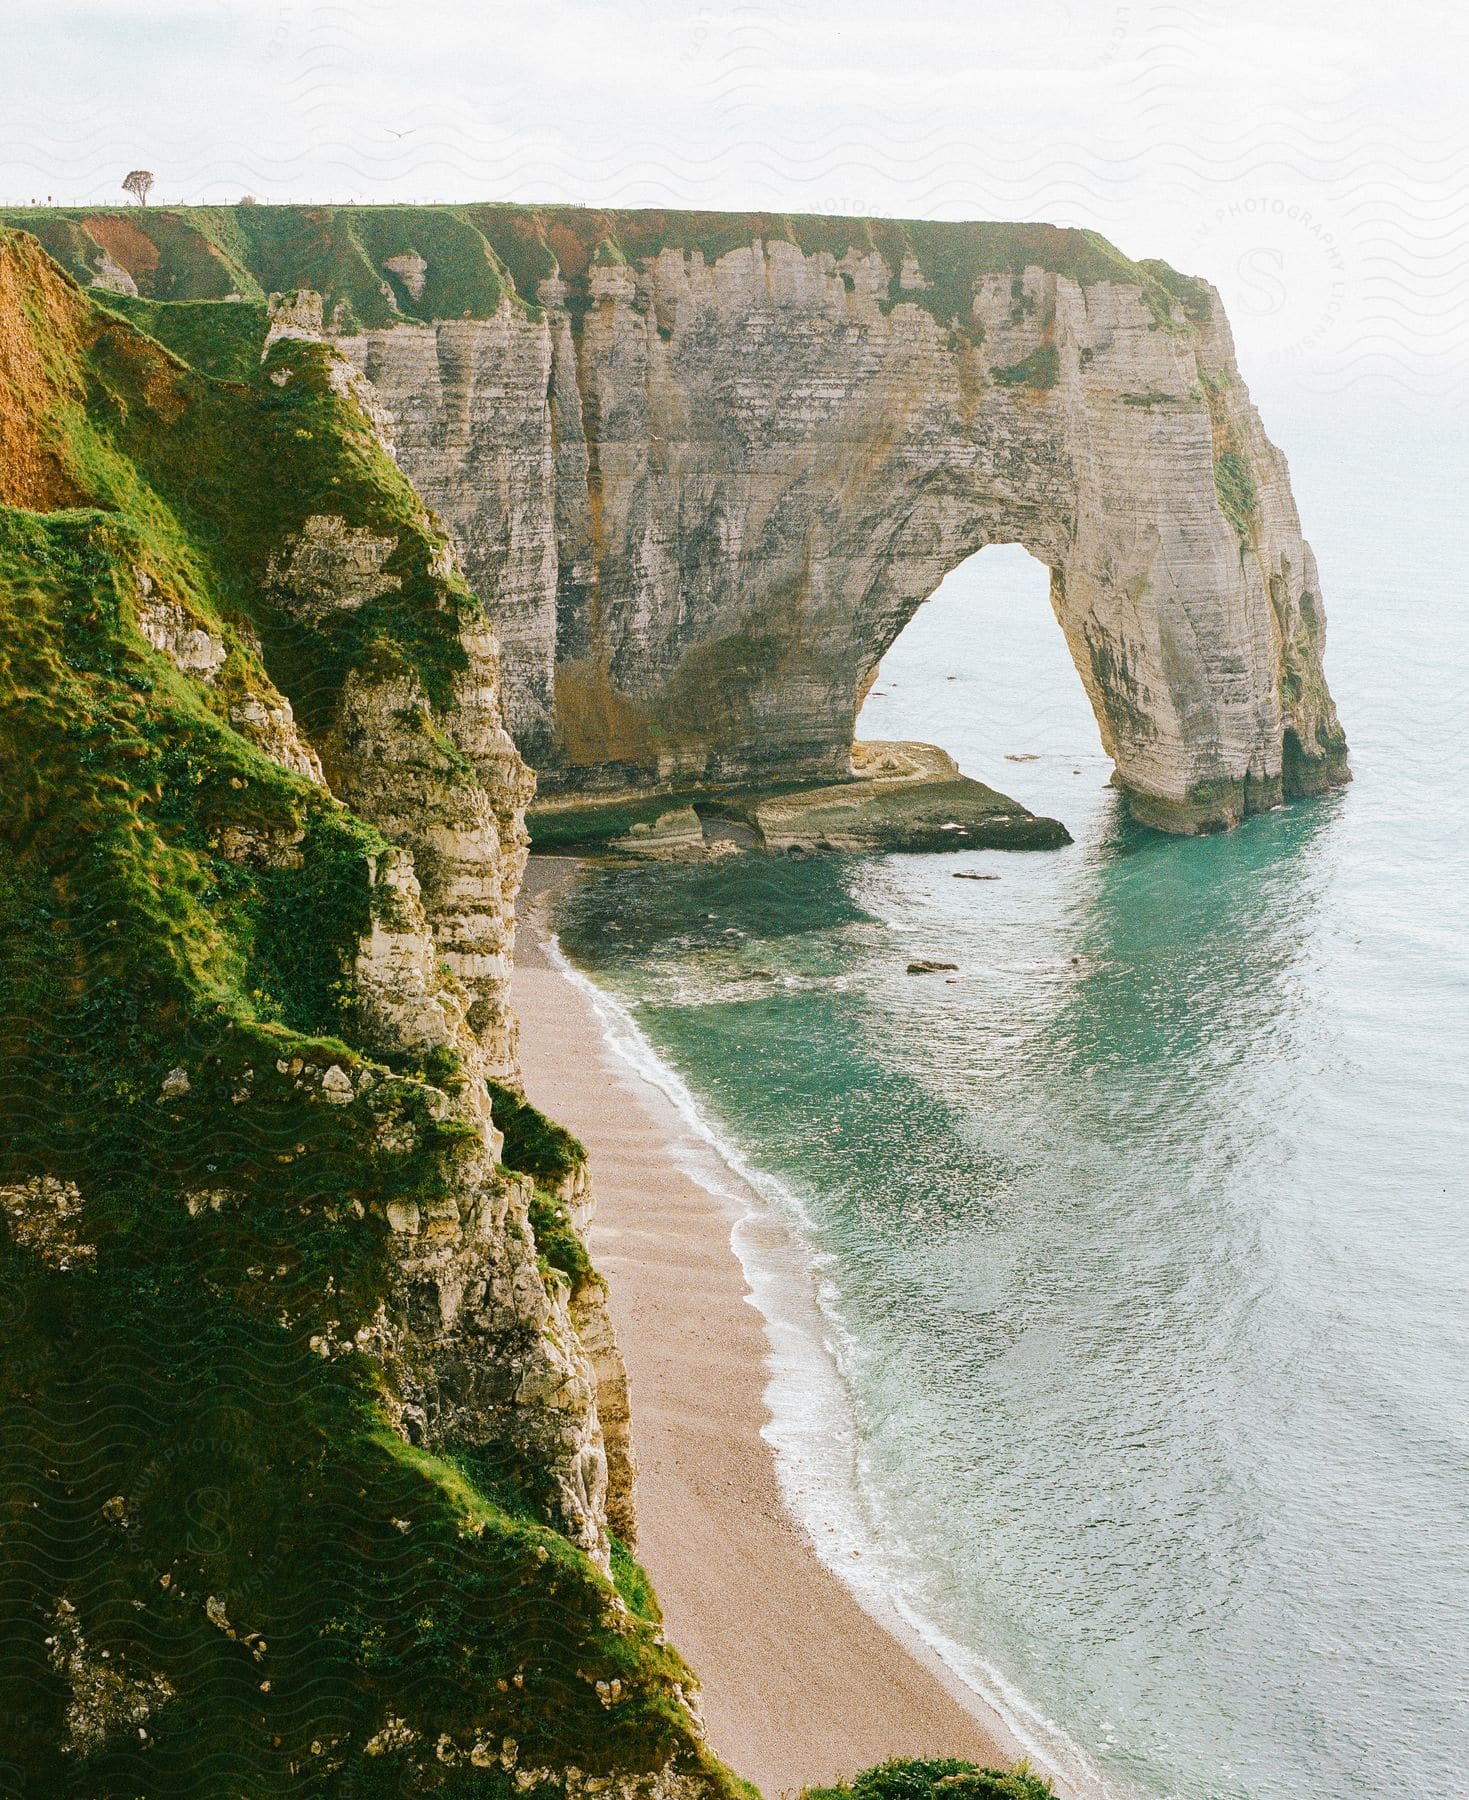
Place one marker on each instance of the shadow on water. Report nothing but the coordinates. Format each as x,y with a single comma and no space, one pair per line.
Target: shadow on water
671,908
1187,946
778,988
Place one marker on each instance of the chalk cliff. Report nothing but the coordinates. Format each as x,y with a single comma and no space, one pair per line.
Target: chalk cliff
702,469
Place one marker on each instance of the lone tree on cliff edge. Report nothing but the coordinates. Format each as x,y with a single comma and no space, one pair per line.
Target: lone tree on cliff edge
139,184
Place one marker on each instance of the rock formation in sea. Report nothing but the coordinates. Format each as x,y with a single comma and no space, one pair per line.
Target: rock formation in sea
702,469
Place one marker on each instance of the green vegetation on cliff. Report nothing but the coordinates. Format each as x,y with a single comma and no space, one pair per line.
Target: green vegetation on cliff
939,1779
551,1156
1236,491
375,265
224,1569
216,337
534,1144
1038,370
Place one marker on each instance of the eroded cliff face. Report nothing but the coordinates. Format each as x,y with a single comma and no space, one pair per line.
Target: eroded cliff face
486,1344
702,468
702,501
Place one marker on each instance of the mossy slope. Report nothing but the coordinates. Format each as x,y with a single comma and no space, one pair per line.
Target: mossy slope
222,1571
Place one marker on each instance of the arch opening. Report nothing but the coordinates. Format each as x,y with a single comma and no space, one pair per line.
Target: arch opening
983,671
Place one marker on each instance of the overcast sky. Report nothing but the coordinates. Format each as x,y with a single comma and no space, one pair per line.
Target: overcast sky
1311,159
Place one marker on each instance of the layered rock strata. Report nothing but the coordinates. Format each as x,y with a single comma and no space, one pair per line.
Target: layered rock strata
703,500
701,516
702,469
900,796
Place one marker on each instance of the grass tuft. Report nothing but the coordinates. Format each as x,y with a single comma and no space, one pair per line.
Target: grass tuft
939,1779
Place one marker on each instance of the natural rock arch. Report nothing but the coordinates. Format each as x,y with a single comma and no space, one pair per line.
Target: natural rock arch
984,669
737,482
701,467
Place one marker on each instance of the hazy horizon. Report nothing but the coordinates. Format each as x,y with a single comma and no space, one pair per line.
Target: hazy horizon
1307,160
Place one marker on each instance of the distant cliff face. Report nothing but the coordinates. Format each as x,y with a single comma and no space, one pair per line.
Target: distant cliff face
702,470
707,505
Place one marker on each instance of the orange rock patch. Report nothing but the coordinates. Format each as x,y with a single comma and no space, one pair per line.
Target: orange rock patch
39,312
124,243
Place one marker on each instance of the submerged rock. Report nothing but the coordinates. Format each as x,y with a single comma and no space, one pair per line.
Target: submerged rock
902,796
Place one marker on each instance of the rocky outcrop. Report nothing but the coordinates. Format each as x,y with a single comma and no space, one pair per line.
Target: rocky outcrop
471,426
488,1340
593,1325
701,499
449,786
104,1699
702,469
902,797
497,1350
673,836
899,796
257,710
329,567
43,1215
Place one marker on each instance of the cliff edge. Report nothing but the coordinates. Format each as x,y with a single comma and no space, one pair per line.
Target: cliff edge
313,1458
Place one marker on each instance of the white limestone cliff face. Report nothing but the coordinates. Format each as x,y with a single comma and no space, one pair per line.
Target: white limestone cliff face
700,501
468,422
488,1342
257,710
449,786
112,277
487,1339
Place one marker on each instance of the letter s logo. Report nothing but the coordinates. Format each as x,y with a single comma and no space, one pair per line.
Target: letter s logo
207,1511
1260,270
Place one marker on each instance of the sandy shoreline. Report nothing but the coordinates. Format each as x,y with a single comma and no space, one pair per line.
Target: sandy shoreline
800,1683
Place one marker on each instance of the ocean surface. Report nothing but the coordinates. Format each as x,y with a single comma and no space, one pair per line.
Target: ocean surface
1142,1242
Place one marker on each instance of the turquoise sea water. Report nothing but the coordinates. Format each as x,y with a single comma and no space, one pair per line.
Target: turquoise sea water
1142,1241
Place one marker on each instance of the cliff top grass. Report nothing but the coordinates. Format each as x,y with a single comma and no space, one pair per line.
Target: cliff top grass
475,256
223,1570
